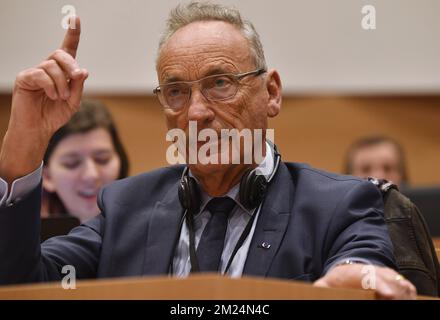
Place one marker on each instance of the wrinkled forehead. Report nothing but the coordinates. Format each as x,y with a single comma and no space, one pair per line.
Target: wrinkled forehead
201,43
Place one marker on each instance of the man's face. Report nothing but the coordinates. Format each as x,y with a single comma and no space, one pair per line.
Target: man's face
380,161
201,49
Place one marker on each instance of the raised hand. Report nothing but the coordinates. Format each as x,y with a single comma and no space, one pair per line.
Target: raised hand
44,99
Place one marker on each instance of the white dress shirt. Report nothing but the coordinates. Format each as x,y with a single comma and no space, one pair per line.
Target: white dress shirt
237,221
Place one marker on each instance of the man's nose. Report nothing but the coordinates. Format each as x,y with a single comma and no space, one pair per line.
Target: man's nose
198,109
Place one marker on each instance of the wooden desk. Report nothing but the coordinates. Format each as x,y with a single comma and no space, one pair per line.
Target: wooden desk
200,287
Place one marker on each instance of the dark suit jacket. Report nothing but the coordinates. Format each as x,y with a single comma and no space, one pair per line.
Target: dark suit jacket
309,217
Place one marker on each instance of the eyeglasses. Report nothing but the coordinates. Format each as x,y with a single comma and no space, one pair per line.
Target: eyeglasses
176,95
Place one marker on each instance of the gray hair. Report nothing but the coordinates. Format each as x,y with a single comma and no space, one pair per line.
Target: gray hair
185,14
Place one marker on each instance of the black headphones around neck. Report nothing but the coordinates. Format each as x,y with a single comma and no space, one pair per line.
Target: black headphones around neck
253,187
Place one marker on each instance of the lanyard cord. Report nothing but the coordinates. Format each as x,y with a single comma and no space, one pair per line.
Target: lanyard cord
192,248
192,244
241,240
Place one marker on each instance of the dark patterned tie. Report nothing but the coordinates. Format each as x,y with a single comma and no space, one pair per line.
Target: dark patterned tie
211,243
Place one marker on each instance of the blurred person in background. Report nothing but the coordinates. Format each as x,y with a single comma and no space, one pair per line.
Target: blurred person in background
379,157
82,156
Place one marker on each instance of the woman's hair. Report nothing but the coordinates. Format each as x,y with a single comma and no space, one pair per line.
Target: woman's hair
91,115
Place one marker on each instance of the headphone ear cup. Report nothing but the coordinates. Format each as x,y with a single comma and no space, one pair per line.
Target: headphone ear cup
252,189
182,192
189,195
194,196
244,186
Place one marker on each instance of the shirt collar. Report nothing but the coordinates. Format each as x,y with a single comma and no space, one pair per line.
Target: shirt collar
266,167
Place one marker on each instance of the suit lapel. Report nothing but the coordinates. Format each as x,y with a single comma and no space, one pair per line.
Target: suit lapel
271,225
162,234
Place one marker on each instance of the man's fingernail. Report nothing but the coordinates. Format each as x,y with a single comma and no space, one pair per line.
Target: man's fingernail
67,94
76,72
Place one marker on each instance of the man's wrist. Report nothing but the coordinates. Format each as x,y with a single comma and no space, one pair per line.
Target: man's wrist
20,156
349,261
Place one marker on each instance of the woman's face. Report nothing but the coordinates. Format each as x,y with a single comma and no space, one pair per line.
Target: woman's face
79,166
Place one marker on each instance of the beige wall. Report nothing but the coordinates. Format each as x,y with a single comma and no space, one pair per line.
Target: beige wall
316,130
318,46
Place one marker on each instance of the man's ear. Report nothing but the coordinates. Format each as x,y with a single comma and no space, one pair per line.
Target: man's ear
48,184
274,89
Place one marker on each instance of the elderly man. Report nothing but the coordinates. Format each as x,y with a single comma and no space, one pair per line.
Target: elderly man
292,222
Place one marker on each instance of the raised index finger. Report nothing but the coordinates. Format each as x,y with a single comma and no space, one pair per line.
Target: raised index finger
71,39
